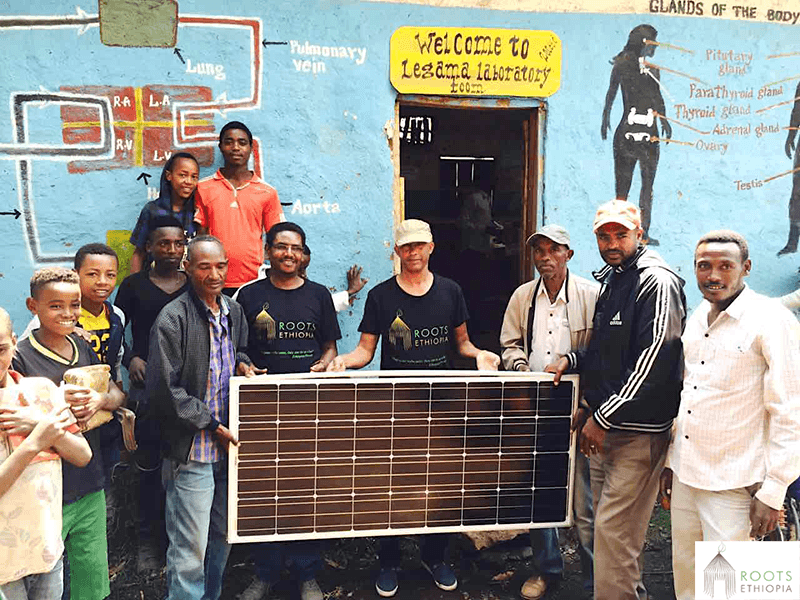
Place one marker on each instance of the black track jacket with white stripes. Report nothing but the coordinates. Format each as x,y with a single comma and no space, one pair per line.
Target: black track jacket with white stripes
632,370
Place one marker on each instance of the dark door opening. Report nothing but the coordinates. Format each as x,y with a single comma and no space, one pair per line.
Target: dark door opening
471,173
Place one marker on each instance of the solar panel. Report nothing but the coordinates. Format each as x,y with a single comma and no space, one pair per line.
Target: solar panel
398,452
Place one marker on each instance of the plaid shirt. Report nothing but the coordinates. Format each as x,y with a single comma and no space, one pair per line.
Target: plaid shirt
221,366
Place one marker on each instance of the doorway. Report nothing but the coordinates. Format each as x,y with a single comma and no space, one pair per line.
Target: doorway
472,172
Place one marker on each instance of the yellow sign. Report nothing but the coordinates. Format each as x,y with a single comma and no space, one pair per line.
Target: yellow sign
458,61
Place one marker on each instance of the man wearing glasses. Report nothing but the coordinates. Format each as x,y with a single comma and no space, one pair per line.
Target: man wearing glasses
293,329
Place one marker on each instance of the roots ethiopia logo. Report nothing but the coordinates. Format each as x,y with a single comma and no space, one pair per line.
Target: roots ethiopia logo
265,324
762,570
719,569
399,331
269,329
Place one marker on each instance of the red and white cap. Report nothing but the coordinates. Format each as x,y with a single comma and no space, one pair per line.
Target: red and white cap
617,211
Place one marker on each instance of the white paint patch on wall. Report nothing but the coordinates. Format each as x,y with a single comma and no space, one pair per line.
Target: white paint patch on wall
313,54
769,11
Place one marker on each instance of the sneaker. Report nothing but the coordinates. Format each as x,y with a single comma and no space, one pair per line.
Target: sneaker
309,590
443,576
534,588
256,590
537,586
386,583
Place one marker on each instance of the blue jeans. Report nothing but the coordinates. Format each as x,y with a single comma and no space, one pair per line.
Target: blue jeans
41,586
546,552
196,519
544,542
794,487
303,556
583,511
432,549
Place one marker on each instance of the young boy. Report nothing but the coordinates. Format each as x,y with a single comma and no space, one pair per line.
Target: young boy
176,199
30,477
141,297
104,327
48,352
236,206
97,266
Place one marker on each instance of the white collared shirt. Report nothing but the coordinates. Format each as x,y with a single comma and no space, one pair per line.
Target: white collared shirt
551,335
739,417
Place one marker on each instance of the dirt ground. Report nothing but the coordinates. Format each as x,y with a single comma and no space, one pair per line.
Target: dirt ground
350,565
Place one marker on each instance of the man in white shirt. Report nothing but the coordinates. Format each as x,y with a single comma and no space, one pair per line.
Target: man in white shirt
736,443
545,319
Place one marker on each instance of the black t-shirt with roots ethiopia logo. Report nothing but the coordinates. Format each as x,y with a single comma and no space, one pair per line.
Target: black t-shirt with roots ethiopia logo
417,332
287,328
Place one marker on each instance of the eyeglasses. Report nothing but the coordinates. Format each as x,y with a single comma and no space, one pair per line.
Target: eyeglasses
287,248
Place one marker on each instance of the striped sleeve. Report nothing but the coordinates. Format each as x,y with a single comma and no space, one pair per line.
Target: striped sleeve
660,318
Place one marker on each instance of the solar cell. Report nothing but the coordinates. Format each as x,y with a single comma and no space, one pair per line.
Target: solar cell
398,452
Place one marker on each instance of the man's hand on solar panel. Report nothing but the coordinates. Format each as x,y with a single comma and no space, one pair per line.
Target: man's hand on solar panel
487,361
328,354
225,437
557,368
249,370
592,438
360,356
337,364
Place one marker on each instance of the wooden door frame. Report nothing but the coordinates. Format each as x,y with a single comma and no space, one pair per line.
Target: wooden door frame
533,161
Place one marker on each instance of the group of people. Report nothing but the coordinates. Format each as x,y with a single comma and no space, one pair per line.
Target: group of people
706,409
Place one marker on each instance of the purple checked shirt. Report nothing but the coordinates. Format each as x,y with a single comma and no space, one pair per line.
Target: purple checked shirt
221,366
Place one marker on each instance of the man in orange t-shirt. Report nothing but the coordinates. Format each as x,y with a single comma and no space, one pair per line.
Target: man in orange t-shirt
237,206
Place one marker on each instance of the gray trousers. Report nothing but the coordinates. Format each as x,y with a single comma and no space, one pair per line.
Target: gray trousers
624,487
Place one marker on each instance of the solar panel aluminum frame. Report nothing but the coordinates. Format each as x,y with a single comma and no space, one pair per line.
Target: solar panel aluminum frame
241,424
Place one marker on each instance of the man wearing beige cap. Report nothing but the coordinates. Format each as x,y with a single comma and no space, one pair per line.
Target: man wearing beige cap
422,320
545,319
631,376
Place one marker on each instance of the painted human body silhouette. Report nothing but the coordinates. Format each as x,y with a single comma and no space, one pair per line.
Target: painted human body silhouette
641,100
794,199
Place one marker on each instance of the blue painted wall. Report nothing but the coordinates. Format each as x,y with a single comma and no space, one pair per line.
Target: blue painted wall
322,135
